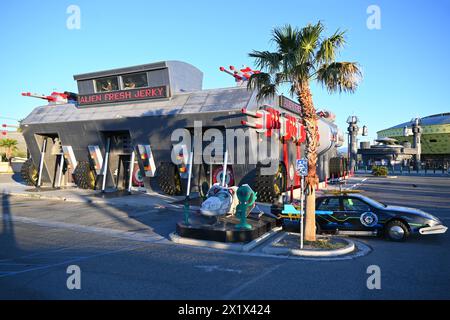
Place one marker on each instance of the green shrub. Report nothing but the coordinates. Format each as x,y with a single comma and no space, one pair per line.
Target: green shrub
379,171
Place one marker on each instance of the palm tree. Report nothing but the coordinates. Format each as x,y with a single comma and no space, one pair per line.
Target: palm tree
10,146
302,56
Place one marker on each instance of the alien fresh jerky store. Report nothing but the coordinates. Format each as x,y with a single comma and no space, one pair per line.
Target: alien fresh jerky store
116,132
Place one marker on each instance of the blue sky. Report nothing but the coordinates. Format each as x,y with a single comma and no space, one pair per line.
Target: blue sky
406,63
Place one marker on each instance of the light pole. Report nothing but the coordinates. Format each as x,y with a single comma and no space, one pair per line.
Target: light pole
416,132
353,130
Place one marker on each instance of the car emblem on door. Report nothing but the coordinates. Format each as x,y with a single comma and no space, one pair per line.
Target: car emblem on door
369,219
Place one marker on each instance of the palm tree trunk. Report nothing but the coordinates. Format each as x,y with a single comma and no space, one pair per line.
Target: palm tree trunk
310,122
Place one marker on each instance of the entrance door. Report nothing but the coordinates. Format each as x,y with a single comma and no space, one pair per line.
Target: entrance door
118,159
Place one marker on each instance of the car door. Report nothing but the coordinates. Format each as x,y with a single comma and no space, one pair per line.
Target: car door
327,212
360,215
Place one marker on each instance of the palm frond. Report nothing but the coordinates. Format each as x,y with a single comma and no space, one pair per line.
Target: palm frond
285,38
302,71
264,84
266,60
309,39
339,76
329,47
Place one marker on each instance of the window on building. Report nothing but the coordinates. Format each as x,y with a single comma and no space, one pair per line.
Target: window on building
106,84
135,80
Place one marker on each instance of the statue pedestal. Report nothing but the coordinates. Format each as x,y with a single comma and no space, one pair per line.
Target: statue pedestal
224,228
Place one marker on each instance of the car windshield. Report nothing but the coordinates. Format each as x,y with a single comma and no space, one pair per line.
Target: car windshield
372,202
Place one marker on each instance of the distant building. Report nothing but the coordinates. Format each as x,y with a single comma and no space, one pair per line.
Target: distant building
386,151
435,139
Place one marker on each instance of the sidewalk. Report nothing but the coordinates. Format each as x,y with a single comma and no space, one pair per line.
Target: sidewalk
12,186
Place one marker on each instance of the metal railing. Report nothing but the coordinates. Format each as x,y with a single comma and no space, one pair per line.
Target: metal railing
432,168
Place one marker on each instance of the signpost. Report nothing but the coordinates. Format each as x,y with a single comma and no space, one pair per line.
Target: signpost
302,170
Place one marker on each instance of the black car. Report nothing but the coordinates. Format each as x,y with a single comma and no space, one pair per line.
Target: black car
355,214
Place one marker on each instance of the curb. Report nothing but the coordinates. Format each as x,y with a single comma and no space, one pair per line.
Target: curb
239,247
38,196
350,247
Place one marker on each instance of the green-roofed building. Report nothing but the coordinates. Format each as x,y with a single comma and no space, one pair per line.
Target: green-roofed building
435,140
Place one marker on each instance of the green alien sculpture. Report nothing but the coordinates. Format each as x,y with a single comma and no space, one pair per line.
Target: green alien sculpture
247,199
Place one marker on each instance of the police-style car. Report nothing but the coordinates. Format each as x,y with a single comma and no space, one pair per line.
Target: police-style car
356,214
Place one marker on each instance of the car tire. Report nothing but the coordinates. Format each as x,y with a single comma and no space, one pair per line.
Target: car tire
169,179
84,176
270,187
203,181
29,173
397,231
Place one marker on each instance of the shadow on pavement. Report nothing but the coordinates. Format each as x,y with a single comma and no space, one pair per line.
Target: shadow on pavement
16,177
7,236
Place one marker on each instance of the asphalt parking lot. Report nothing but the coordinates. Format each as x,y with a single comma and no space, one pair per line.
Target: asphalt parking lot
124,253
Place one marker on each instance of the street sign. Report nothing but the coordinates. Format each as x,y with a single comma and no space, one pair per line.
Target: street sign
302,170
302,167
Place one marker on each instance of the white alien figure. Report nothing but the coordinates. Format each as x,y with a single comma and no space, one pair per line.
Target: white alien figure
220,201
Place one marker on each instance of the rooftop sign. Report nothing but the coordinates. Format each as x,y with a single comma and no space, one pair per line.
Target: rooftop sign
290,105
123,95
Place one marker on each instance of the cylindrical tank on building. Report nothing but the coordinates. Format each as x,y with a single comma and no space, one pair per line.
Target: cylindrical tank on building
338,166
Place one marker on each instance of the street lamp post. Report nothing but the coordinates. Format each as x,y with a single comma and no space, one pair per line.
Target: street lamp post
353,131
417,134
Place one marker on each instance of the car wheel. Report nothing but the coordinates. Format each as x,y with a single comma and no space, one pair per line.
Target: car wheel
396,231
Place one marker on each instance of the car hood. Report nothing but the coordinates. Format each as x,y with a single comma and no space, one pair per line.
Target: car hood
413,211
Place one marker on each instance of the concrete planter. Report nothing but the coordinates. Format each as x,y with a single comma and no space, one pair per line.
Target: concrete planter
271,249
5,168
17,165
